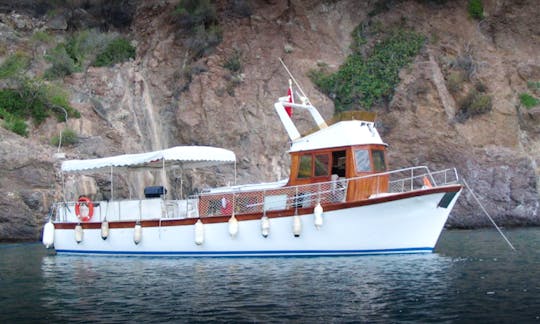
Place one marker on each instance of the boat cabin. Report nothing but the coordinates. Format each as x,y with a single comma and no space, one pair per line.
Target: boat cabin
348,149
308,167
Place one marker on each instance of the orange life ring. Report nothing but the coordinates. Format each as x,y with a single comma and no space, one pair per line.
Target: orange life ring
84,201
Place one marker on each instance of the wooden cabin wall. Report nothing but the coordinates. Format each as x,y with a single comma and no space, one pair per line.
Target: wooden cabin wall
363,188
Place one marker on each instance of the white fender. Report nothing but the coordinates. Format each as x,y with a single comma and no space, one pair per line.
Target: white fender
297,225
317,212
104,229
233,226
199,232
79,233
48,234
137,233
265,226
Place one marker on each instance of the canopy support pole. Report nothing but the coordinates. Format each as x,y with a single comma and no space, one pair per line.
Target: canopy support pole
112,184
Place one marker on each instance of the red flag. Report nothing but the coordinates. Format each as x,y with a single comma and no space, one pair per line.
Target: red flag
290,94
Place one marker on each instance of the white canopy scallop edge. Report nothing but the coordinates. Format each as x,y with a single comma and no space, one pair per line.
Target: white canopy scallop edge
181,156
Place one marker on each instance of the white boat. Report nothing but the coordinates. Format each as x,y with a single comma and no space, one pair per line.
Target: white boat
340,199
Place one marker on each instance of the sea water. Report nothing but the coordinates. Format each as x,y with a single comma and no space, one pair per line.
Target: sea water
473,276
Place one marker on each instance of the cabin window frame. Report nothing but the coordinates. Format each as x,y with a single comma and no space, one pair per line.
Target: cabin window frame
379,165
357,169
304,161
319,162
320,165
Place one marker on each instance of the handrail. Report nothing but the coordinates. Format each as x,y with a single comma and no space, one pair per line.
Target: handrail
308,195
254,199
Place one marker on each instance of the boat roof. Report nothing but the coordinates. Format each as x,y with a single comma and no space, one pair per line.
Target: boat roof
343,133
179,156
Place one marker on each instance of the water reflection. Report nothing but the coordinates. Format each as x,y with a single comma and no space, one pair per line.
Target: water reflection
252,289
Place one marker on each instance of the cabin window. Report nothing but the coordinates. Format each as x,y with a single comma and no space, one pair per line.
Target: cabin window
362,160
304,170
338,163
321,165
378,160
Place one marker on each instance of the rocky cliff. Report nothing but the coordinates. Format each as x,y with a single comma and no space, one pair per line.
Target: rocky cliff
174,93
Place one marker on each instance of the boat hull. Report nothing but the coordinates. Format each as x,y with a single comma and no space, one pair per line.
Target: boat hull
409,223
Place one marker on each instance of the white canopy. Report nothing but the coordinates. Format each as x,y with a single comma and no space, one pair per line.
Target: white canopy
181,156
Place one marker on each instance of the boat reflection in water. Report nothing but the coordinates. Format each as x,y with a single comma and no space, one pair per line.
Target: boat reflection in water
248,289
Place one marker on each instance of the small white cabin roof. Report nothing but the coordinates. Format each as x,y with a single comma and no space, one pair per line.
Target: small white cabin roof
180,156
343,133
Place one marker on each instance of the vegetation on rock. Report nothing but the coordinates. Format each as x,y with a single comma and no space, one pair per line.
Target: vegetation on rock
199,20
363,81
528,100
462,81
34,99
233,63
86,46
117,51
476,102
68,137
194,13
476,9
14,65
198,30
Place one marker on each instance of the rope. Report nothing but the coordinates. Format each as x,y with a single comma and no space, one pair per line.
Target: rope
487,214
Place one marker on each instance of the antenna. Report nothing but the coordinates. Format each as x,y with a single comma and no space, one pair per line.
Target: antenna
304,98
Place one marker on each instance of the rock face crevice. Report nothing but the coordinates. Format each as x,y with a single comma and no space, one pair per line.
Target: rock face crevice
165,97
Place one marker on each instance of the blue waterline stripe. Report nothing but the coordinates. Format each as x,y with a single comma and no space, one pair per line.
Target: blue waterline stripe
255,253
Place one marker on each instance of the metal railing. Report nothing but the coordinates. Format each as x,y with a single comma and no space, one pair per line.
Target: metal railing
259,200
301,196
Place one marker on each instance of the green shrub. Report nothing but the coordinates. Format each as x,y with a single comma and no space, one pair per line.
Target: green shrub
42,36
203,41
13,65
533,85
233,63
117,51
62,63
475,103
76,49
35,100
199,21
13,103
528,100
68,137
58,100
16,125
190,14
455,82
74,54
370,80
358,39
476,9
